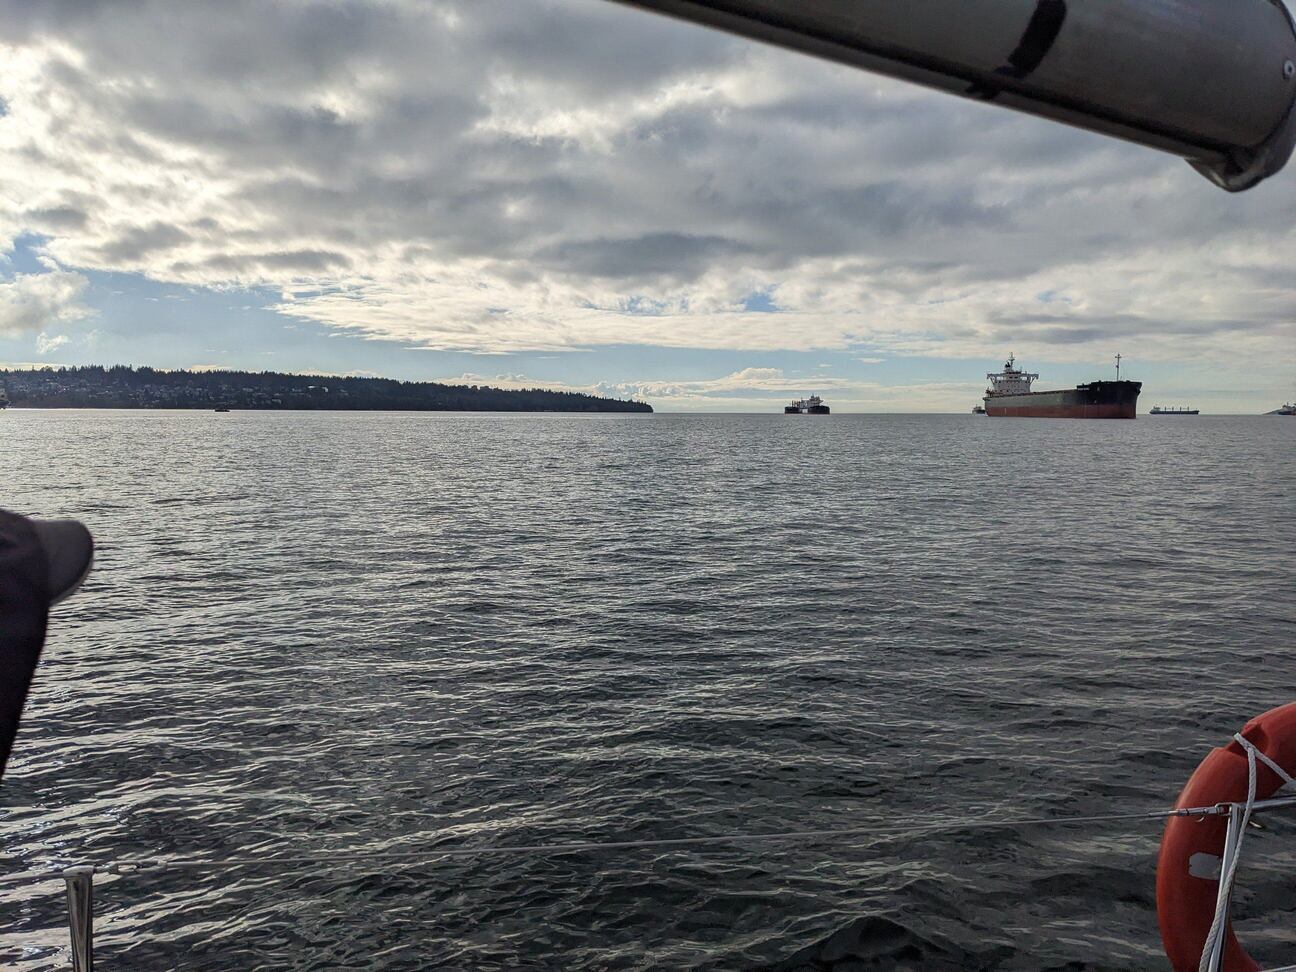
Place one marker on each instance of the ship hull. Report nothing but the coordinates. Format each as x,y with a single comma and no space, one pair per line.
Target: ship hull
816,410
1097,400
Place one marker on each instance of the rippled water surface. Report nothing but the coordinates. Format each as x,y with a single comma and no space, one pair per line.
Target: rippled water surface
324,632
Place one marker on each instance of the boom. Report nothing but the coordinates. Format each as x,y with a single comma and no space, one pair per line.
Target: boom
1213,81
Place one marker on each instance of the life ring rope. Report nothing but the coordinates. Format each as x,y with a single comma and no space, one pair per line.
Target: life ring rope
1257,754
1238,825
1198,860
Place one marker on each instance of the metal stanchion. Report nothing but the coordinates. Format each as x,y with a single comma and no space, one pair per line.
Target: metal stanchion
80,895
1226,893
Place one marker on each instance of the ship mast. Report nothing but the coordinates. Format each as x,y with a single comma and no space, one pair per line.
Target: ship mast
1118,361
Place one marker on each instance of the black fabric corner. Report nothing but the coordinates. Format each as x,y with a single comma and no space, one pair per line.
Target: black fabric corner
24,611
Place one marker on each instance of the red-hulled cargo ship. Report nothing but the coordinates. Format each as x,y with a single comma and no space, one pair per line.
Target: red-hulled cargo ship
1010,396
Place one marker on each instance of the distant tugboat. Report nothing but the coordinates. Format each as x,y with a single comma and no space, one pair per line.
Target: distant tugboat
978,410
1288,409
1010,396
807,406
1158,410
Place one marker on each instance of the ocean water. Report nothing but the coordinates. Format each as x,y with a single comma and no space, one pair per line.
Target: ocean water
326,633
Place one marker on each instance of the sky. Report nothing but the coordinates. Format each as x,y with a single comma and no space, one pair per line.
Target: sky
574,194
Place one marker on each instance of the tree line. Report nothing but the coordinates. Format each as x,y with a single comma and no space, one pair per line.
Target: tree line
124,386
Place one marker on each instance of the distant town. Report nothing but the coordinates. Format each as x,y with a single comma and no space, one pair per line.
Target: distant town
122,386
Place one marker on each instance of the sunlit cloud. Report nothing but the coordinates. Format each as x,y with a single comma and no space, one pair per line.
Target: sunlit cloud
751,389
45,343
33,301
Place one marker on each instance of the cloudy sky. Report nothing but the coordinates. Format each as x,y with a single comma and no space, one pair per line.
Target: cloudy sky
574,194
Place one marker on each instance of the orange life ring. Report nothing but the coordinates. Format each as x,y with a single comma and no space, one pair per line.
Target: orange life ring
1188,868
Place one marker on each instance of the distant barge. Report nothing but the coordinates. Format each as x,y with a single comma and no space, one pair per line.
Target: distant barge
1010,396
807,406
1158,410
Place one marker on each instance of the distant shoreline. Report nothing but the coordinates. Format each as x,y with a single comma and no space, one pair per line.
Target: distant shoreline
127,387
542,411
355,411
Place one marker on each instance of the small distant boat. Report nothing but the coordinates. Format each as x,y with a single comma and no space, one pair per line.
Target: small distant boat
1288,409
1158,410
978,410
807,406
221,408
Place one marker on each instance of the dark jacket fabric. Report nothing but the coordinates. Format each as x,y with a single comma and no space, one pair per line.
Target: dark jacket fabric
24,610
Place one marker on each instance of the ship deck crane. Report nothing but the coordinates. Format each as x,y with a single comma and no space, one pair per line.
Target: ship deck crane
1213,81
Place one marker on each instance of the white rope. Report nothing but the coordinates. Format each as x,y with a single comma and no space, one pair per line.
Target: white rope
1211,951
1250,747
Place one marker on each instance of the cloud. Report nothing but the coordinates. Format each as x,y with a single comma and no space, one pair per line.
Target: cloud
45,343
469,175
758,389
55,219
34,301
652,255
748,380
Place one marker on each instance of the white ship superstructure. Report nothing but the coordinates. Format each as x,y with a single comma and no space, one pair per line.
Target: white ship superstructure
1011,381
